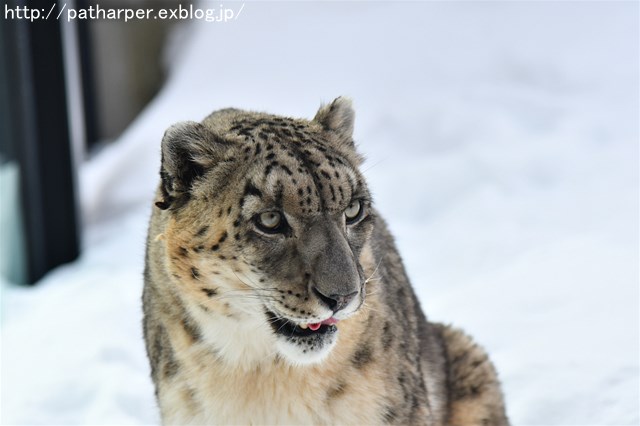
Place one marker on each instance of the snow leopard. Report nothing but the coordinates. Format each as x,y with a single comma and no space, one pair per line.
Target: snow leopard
274,292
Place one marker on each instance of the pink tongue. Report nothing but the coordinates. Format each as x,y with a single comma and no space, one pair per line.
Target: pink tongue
329,321
317,325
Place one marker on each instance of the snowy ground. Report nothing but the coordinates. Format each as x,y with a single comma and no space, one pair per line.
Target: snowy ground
502,145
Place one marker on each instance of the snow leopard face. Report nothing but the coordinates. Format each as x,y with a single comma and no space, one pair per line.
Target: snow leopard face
267,219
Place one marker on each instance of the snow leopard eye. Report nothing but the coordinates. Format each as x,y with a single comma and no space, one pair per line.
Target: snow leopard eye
270,222
353,212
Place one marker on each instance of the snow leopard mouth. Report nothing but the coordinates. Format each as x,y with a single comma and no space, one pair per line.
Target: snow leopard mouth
291,330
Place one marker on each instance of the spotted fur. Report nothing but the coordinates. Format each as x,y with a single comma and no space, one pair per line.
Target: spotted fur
220,288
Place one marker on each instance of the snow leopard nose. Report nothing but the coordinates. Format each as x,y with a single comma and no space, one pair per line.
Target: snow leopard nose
335,302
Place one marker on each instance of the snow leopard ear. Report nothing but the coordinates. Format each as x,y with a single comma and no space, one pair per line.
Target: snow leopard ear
337,118
188,150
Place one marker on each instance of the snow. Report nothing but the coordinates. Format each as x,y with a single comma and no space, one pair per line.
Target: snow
502,146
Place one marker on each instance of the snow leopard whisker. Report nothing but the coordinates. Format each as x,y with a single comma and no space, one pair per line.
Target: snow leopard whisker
373,273
373,165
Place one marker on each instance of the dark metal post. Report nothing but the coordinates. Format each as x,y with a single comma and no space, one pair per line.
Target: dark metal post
33,58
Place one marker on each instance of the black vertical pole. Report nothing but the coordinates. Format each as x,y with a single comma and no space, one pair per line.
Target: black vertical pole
41,141
87,75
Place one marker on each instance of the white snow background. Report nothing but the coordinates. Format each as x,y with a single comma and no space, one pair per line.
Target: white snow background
502,146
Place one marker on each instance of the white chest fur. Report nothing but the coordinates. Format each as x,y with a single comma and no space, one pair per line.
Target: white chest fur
258,387
272,393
